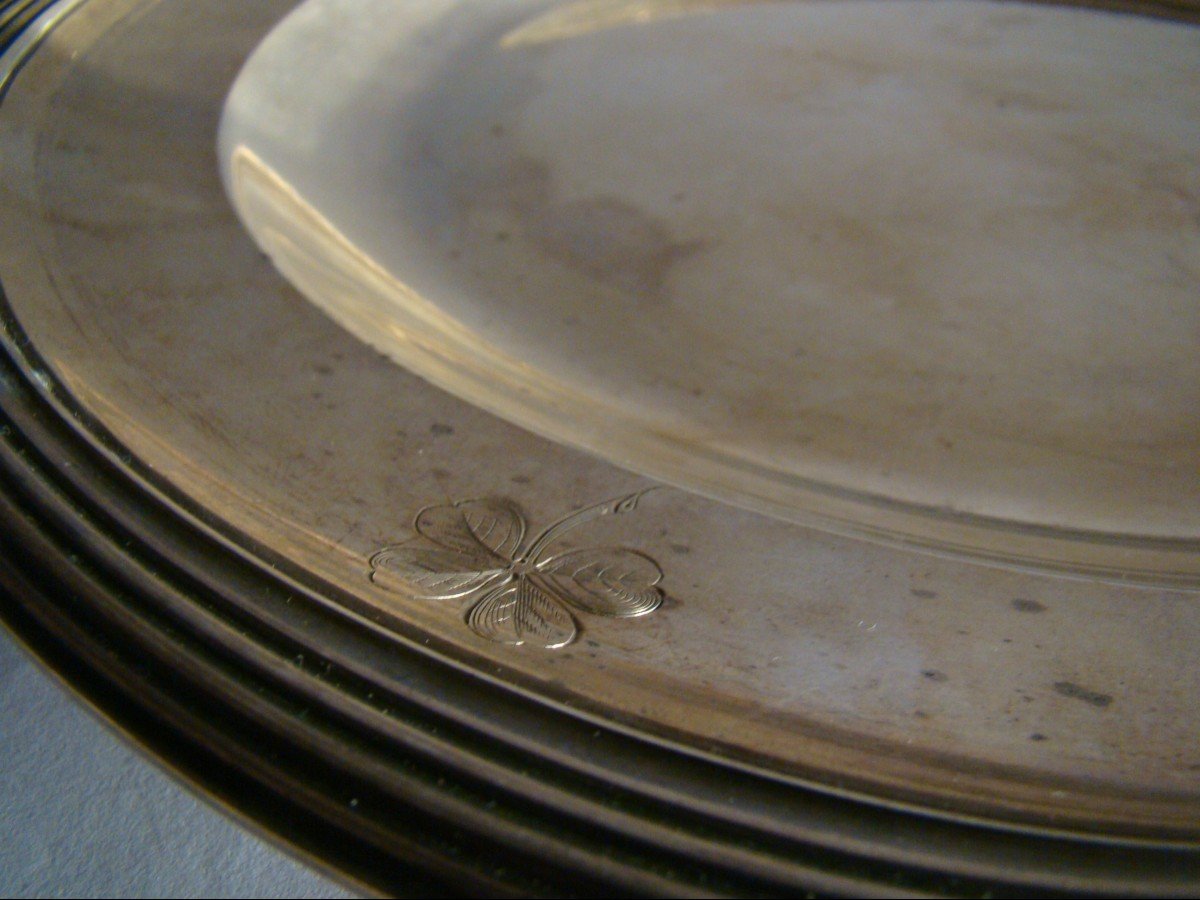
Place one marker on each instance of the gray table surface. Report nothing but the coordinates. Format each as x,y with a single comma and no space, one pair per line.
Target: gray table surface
83,814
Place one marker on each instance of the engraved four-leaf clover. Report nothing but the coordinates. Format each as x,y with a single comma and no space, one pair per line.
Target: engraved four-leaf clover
474,549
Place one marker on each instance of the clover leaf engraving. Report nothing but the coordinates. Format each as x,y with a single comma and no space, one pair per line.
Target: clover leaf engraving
473,549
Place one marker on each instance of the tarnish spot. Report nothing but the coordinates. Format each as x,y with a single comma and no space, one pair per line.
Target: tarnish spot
613,242
603,238
1095,698
1020,604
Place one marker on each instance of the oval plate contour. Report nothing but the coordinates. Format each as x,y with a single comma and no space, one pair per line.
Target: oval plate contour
924,272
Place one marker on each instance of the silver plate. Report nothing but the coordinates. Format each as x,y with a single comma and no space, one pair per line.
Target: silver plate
924,273
948,686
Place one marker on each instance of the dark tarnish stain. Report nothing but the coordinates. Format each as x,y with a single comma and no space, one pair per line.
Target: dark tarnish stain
1021,101
604,238
521,184
924,594
439,429
611,241
935,675
1027,606
1070,689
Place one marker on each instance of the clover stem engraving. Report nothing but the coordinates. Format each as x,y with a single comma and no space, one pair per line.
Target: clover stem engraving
473,550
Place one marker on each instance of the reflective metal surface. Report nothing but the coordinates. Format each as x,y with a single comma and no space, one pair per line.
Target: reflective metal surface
346,565
924,272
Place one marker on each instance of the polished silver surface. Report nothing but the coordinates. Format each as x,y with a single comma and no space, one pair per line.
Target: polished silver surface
919,272
968,690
